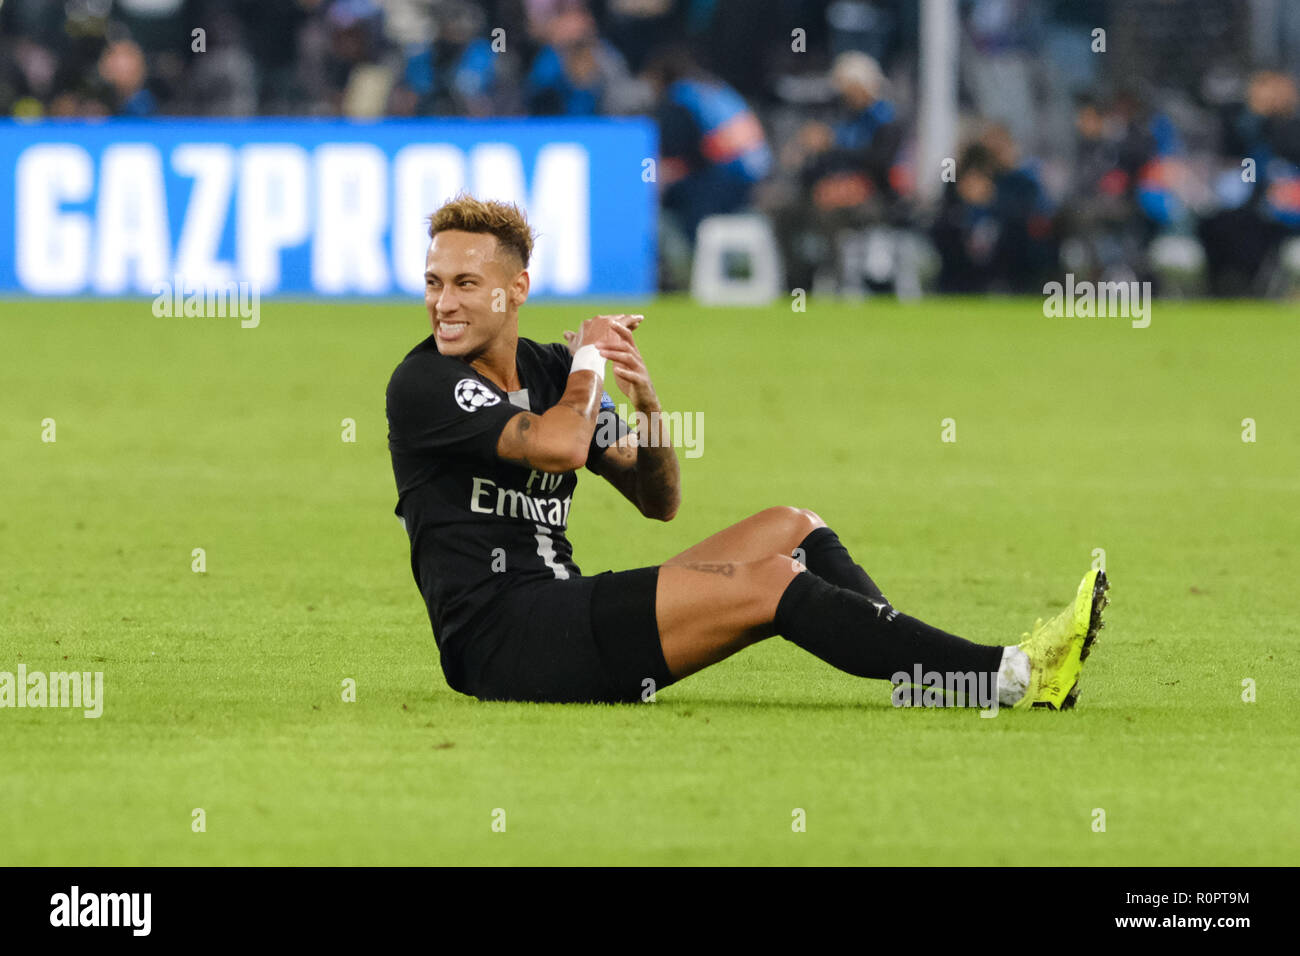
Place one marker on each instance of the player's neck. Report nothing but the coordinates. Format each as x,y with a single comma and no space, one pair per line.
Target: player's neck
498,363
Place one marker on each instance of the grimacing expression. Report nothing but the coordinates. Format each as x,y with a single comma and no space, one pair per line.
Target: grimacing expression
462,275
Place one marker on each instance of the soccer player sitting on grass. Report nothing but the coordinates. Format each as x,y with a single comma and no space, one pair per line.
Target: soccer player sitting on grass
487,430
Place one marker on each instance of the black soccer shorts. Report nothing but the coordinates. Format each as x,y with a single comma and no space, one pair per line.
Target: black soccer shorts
593,638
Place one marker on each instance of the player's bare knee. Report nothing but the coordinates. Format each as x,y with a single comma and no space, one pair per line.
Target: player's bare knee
812,519
801,522
797,523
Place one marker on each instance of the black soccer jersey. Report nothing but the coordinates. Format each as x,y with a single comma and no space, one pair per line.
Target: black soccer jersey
478,524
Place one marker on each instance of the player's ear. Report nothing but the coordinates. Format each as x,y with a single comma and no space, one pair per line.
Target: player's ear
519,289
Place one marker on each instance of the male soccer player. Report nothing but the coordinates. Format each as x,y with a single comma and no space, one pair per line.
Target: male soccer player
487,430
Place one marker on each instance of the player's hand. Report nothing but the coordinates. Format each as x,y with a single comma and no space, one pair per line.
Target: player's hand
598,329
629,369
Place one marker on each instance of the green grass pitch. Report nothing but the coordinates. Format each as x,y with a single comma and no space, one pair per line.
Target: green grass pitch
223,689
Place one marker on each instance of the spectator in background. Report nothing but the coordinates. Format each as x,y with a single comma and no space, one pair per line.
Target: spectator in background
356,44
993,230
60,61
967,230
1098,218
122,67
1096,171
845,169
576,71
1131,130
1020,195
1240,243
712,146
1025,254
1026,249
1164,181
459,74
848,163
473,79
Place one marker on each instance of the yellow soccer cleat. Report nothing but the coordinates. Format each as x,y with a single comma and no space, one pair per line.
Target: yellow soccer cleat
1057,649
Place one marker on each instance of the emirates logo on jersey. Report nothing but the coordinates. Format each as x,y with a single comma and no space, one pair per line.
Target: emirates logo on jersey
472,395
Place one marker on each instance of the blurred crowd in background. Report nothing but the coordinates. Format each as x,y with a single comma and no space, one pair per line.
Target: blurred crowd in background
1172,156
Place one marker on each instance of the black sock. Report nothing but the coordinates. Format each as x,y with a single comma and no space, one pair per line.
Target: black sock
825,556
846,630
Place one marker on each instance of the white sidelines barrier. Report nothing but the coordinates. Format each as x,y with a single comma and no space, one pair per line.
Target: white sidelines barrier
721,240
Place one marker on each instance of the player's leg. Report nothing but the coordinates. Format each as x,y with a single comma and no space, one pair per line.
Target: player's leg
708,611
770,531
793,531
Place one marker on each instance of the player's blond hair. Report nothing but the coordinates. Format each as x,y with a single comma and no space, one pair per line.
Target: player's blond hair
504,220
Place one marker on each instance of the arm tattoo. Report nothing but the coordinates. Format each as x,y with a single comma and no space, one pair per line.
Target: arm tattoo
522,424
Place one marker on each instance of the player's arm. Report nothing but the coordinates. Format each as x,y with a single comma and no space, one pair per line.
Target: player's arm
646,475
643,467
557,440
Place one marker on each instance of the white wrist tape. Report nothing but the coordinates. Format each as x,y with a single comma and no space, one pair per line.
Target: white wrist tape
589,359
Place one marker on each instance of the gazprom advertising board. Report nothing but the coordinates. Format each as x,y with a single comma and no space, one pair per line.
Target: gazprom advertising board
314,207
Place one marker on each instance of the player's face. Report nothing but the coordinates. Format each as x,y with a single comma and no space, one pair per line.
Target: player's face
471,290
